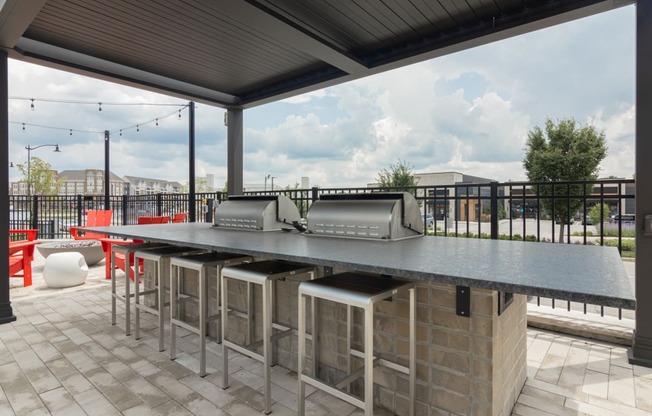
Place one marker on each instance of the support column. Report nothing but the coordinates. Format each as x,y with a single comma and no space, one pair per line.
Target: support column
107,171
641,351
192,206
234,166
6,313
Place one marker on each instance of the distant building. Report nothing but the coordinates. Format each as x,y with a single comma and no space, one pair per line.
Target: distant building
148,186
89,182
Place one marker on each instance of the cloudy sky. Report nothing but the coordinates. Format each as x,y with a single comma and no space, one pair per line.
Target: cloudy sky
468,112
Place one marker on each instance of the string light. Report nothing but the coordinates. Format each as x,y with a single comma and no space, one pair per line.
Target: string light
32,104
136,126
100,104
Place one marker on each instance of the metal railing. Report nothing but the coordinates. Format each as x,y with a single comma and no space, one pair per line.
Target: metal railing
529,211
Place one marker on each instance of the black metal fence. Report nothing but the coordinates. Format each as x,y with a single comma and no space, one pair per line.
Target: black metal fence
562,212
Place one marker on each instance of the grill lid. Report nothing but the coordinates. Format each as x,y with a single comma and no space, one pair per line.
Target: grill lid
256,212
376,216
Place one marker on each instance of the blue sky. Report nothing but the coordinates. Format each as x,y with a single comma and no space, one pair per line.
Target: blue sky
468,112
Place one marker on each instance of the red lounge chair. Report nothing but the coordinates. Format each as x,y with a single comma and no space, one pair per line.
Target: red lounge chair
119,258
180,217
93,219
21,254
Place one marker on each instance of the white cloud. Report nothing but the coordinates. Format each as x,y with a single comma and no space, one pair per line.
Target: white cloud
467,112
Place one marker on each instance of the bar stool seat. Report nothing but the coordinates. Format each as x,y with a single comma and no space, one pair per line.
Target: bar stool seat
125,252
360,291
263,273
160,283
199,262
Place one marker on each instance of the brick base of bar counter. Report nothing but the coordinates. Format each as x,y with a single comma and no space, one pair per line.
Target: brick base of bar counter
472,366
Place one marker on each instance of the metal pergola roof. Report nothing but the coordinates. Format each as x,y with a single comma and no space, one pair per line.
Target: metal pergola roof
242,53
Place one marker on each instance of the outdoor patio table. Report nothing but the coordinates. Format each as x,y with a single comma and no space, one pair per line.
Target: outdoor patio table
466,338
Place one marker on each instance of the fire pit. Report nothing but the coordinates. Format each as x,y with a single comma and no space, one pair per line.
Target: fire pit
91,250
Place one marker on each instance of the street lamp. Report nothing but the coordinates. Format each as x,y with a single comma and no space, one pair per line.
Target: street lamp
266,177
273,177
29,162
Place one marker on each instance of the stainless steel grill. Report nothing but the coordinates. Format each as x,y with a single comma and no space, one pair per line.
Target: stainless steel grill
376,216
256,213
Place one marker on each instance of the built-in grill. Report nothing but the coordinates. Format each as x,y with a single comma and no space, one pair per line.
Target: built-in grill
256,213
376,216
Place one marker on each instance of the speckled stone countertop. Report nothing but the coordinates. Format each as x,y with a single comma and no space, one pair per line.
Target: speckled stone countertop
590,274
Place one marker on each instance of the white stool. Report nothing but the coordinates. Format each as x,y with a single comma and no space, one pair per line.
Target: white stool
360,291
160,283
126,250
199,263
263,273
65,269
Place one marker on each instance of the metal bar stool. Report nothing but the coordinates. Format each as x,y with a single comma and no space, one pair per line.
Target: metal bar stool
263,273
360,291
200,263
160,283
125,252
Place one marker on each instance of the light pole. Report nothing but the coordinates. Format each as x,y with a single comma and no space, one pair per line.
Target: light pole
273,177
29,162
266,177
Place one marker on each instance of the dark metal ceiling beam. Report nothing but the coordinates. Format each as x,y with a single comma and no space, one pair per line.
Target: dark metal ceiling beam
15,18
258,17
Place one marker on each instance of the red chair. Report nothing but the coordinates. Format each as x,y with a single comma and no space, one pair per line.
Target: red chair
100,218
119,258
21,255
179,217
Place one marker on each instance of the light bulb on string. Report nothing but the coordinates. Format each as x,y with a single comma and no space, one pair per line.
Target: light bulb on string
157,122
120,132
100,108
179,114
32,105
71,132
137,127
23,127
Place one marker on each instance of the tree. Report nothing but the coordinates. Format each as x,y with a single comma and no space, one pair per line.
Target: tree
598,214
398,177
566,151
201,185
41,179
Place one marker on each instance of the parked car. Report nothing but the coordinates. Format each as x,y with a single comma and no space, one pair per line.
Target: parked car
587,220
428,220
624,218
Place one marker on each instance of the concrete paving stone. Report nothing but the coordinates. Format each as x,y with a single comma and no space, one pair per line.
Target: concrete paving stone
200,406
72,410
255,381
544,395
51,332
251,397
121,397
57,398
192,363
176,370
41,411
97,352
172,387
94,403
643,388
76,336
6,358
46,351
145,368
61,367
285,397
30,334
172,408
151,354
574,368
643,372
16,346
36,371
541,403
118,369
621,385
596,383
66,346
75,383
523,410
209,390
105,340
151,395
18,390
82,361
619,358
140,410
570,392
599,357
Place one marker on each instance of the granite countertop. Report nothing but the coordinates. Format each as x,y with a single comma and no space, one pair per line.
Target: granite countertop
590,274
